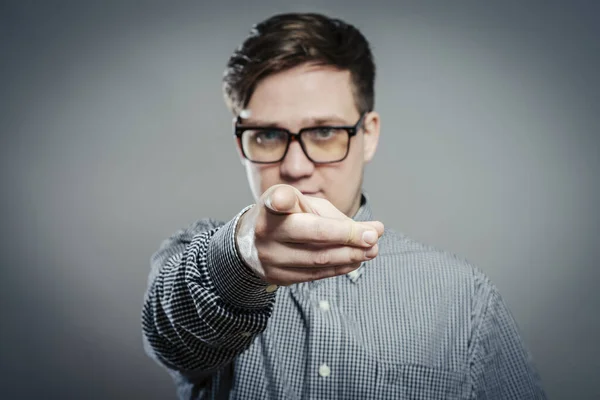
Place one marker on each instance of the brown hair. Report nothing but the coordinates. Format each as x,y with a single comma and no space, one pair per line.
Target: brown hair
285,41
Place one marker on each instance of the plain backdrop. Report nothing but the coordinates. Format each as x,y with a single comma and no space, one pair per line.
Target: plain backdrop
114,134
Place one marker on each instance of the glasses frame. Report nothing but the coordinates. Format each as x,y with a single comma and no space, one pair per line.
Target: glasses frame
352,130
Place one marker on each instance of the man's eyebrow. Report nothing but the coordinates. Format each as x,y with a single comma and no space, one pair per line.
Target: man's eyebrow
307,122
259,123
327,120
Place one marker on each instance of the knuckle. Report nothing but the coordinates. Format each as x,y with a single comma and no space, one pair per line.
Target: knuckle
351,230
356,255
322,258
355,265
319,232
260,229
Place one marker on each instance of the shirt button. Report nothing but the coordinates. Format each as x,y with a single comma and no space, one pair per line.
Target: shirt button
324,371
324,305
271,288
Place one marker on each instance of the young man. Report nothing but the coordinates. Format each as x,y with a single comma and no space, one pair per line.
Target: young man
302,295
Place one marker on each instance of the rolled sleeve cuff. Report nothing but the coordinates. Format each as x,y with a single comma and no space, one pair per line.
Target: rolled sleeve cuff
234,282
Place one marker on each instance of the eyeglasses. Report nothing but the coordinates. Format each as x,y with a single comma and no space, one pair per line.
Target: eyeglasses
320,144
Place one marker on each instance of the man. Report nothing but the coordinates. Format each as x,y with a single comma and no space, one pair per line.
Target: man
302,295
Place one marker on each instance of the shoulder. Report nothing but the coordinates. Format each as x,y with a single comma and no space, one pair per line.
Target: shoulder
433,278
430,265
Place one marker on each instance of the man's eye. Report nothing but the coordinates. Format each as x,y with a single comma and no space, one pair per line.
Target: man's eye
269,136
323,133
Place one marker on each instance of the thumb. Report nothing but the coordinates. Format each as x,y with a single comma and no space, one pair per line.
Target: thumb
285,199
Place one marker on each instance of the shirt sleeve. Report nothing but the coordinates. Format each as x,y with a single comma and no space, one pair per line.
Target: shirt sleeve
203,305
501,366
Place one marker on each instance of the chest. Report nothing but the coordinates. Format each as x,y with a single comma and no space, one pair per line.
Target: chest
338,339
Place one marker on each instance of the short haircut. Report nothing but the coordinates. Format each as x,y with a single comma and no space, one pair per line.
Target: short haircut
285,41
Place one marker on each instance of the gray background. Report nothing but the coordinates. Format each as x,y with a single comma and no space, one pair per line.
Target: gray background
114,134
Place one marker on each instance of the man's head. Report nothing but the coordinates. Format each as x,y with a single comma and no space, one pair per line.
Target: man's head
297,71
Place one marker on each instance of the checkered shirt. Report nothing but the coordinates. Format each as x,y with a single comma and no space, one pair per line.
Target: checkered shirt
413,323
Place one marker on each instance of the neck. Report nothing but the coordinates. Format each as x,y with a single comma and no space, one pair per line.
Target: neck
355,206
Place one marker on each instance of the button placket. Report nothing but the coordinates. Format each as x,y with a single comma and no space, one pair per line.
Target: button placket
325,343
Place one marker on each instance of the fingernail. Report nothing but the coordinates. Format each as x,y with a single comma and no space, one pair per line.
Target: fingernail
269,204
370,237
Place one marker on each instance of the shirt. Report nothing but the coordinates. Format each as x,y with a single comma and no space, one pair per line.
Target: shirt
413,323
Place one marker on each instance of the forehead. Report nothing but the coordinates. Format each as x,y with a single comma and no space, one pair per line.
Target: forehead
307,91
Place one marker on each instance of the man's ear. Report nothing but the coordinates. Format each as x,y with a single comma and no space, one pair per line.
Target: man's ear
238,146
371,126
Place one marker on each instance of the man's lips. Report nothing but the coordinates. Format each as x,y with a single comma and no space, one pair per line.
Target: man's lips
310,192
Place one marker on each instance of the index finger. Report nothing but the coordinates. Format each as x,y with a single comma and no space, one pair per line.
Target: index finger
285,199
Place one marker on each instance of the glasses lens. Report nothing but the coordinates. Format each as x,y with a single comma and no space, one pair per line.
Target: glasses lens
326,144
264,145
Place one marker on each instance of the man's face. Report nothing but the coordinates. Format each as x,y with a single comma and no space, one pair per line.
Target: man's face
307,96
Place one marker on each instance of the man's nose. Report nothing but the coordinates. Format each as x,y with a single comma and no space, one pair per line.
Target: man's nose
296,165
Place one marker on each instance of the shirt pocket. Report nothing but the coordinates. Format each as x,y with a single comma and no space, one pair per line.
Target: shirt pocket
411,381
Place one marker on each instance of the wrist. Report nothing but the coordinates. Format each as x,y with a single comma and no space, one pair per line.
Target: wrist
234,281
245,244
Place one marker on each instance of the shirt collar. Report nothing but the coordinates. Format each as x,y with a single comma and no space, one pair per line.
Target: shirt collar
364,212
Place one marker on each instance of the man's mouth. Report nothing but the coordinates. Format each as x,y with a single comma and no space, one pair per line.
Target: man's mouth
310,192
